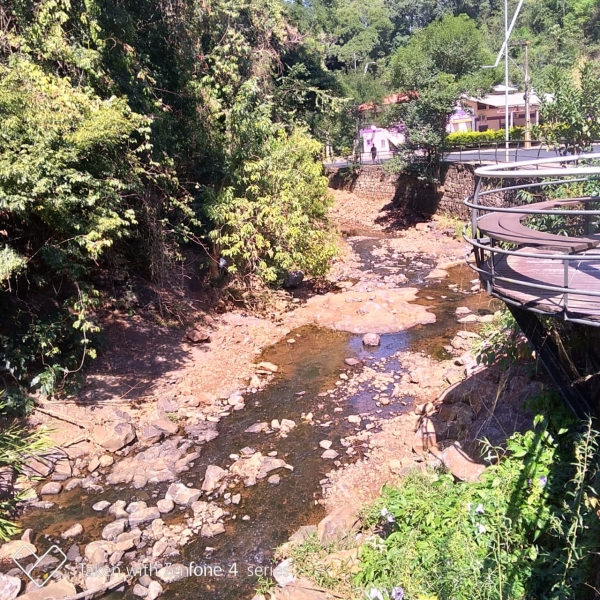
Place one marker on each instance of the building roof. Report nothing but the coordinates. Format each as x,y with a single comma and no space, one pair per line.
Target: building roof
514,100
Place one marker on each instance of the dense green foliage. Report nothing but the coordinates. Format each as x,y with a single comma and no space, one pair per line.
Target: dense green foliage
528,529
16,447
135,133
131,133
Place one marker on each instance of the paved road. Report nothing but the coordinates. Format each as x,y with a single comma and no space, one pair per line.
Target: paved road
492,155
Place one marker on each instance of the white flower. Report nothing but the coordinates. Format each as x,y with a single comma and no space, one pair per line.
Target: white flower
479,509
469,506
481,528
375,594
384,512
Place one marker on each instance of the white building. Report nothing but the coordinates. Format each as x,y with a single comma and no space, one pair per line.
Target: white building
488,112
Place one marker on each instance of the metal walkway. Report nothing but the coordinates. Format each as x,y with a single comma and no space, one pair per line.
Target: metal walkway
534,236
541,256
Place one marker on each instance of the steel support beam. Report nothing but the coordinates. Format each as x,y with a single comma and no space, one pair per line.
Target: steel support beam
547,350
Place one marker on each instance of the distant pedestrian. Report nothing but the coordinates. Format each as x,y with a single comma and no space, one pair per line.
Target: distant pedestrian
373,153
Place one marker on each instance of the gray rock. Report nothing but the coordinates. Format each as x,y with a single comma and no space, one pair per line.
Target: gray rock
166,425
154,590
62,470
71,485
144,515
95,582
139,481
331,454
93,464
118,510
106,460
145,580
8,550
41,505
73,553
214,475
140,590
135,506
150,435
52,487
371,339
56,591
9,587
165,506
114,529
73,531
167,405
282,573
114,436
257,428
338,524
211,529
274,479
197,334
98,552
352,362
159,547
100,506
182,495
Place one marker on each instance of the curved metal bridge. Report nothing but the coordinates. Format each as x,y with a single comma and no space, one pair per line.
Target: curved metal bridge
534,236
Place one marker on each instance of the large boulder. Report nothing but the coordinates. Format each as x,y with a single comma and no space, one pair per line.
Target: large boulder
460,464
114,436
338,524
9,587
182,495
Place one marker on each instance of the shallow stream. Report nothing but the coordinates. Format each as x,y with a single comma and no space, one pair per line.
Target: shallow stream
305,383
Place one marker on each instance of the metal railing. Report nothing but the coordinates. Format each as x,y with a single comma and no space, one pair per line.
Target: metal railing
491,250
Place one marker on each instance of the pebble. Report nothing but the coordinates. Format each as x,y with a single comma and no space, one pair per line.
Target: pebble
325,444
274,480
329,454
100,506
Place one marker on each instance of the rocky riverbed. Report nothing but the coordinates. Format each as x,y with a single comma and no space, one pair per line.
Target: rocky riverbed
187,459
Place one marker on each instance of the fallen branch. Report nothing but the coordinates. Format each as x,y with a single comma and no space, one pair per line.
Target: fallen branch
60,416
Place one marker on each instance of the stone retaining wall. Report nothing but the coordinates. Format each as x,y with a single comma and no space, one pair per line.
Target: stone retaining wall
408,191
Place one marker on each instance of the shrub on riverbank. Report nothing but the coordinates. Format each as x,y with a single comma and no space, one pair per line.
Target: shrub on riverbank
529,529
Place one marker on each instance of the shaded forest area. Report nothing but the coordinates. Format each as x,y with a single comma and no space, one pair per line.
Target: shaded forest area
144,141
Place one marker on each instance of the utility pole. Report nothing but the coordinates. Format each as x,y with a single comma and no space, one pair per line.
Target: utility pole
527,95
506,37
527,91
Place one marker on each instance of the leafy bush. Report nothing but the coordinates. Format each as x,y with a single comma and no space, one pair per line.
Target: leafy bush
491,136
16,446
501,341
527,530
272,217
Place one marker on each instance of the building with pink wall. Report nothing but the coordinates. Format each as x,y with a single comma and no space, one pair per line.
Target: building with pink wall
488,112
